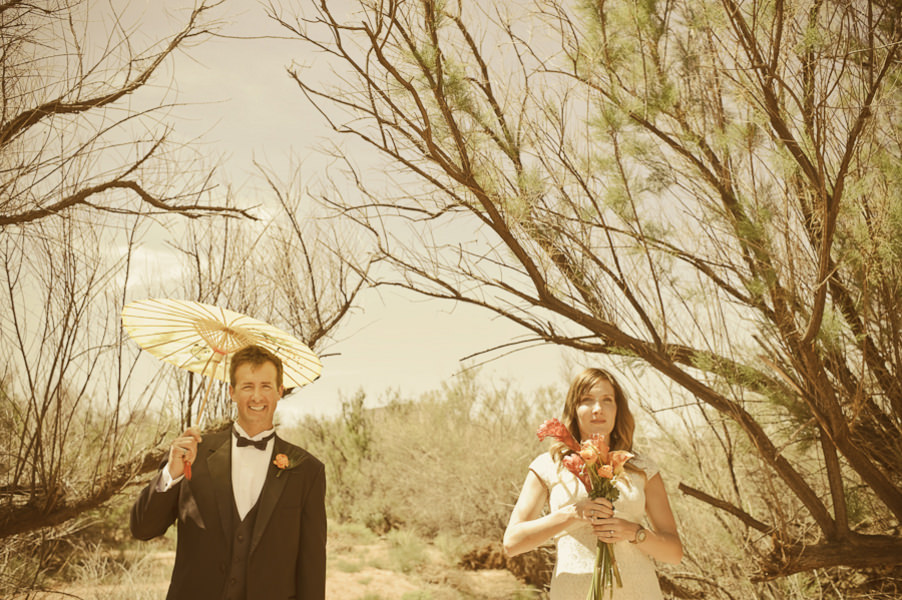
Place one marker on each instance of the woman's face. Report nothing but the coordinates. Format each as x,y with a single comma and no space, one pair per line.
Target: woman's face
597,410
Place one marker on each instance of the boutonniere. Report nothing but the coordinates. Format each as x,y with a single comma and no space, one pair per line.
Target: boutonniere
283,463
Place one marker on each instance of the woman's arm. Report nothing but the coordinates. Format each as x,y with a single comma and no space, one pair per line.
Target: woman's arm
662,542
528,530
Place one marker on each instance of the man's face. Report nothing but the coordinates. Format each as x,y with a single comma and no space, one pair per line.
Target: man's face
256,394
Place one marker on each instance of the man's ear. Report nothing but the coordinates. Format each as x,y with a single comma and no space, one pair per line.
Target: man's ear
231,393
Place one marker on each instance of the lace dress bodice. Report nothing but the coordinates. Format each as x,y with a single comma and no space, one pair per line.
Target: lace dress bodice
576,545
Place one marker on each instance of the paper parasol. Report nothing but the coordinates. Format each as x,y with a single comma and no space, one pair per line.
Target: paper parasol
201,338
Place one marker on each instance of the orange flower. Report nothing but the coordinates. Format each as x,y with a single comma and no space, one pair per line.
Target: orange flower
617,459
281,461
601,446
589,453
606,471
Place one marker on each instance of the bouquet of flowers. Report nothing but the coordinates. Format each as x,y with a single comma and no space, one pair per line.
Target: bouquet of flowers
598,469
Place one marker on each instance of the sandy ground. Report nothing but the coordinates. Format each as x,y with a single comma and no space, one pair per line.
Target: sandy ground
355,572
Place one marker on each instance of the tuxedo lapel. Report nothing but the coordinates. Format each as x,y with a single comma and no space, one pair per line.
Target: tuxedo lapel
220,465
269,496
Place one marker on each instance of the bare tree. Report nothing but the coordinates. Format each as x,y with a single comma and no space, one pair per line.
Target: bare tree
80,162
71,409
84,173
711,189
316,267
69,133
290,271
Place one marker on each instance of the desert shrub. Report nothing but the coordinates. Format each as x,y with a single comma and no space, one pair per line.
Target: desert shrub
345,446
350,533
22,564
453,461
451,546
407,550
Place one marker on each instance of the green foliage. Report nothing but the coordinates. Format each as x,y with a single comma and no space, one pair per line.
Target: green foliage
407,551
343,444
348,566
351,533
449,463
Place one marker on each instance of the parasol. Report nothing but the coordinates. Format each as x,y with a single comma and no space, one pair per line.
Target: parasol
201,338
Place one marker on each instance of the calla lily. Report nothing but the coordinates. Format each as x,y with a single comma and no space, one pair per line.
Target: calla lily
577,466
556,429
617,459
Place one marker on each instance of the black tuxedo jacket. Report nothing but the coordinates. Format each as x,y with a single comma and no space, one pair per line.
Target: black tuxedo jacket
287,557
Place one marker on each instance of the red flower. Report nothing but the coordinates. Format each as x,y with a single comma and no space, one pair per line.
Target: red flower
576,465
556,429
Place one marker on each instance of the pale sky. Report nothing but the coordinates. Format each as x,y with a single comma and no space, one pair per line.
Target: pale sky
243,106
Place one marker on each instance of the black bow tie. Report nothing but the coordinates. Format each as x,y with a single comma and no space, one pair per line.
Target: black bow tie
258,444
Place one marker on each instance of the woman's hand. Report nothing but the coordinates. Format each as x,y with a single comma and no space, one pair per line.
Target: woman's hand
614,529
528,528
593,510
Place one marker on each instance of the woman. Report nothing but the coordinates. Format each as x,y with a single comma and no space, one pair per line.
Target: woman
596,404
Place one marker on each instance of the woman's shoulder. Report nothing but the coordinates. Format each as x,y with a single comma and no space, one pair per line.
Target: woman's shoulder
643,462
544,467
542,462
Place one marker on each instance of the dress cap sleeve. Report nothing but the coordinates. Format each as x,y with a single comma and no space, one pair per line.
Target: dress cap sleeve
545,469
645,464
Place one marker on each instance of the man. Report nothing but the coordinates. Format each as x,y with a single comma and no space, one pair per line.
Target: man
251,513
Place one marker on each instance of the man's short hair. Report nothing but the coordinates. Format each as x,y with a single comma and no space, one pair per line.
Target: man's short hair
255,355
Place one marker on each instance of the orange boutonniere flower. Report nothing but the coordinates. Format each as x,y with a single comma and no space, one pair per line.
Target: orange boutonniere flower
283,463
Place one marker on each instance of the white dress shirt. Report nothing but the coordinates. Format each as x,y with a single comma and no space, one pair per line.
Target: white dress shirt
249,466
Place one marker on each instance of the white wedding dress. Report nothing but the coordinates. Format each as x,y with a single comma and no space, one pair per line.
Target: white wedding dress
576,545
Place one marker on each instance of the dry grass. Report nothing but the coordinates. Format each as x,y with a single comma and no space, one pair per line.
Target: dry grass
400,566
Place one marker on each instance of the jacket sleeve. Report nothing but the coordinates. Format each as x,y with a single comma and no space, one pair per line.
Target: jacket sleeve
154,511
311,566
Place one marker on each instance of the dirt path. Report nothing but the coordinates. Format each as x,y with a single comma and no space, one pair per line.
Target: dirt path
374,569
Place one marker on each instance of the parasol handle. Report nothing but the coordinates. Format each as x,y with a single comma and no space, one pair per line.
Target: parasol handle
203,404
215,358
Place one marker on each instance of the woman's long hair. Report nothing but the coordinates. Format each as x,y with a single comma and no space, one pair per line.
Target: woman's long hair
621,437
